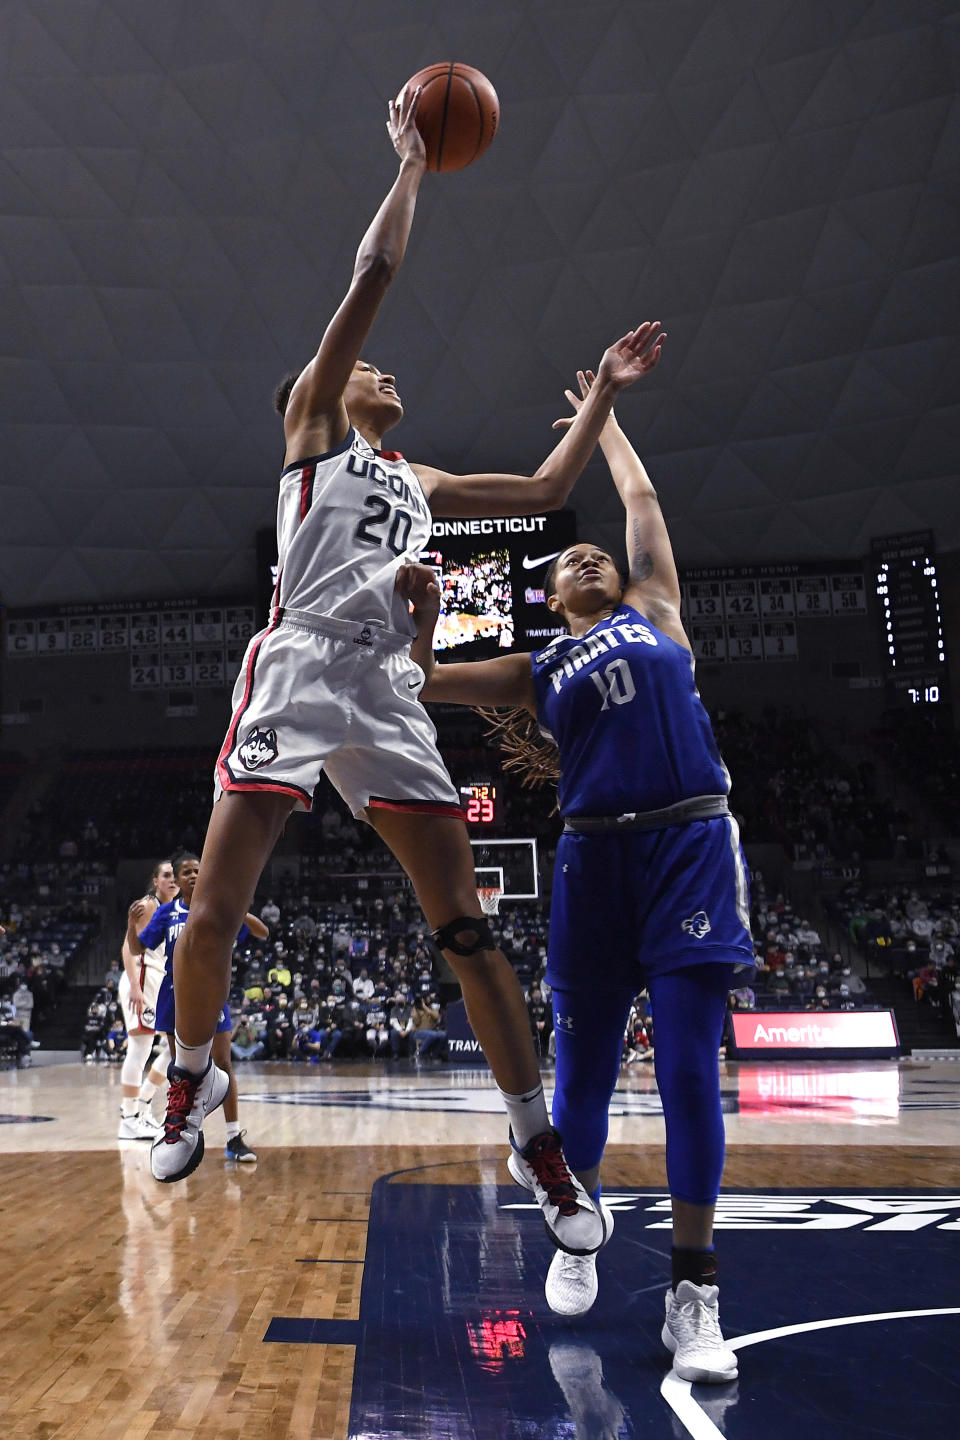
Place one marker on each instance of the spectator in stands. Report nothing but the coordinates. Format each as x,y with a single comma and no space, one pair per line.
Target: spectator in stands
428,1036
363,986
401,1024
279,1028
244,1044
270,914
279,973
22,1000
305,927
941,951
807,936
378,1031
353,1021
12,1036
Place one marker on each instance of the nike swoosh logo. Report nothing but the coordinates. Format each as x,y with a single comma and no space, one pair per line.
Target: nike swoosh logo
529,564
414,684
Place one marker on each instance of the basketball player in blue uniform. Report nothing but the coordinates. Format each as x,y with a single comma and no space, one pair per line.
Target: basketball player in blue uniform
164,929
650,885
330,686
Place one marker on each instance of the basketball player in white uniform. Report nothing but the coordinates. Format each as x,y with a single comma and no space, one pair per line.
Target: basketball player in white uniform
137,993
330,685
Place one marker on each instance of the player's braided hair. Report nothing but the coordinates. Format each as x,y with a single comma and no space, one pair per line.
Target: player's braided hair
524,747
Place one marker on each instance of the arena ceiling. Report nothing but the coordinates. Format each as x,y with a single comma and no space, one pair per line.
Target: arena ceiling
183,186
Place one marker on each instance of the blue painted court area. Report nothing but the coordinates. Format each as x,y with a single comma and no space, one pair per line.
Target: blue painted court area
455,1340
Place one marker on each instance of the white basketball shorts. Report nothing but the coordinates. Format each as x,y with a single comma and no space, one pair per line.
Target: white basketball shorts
319,694
150,978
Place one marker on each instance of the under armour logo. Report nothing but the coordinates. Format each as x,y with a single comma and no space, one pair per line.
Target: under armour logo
698,925
565,1023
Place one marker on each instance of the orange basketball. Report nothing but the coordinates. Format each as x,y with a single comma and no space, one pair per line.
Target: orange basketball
457,115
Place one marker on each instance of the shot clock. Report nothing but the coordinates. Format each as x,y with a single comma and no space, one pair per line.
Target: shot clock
481,801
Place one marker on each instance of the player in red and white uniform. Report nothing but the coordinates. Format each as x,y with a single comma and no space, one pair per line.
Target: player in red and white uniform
137,993
330,685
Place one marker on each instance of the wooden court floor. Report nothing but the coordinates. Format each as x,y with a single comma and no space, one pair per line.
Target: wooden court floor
133,1310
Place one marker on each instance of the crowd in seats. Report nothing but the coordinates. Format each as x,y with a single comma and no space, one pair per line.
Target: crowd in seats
350,969
48,923
790,788
104,807
911,932
922,746
794,969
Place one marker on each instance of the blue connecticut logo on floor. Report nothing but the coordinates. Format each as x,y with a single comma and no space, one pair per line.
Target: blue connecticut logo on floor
843,1308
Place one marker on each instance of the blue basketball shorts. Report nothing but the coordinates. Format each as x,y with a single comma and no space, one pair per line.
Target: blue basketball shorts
167,1014
639,903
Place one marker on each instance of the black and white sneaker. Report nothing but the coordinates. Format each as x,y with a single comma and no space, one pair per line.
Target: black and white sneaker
235,1149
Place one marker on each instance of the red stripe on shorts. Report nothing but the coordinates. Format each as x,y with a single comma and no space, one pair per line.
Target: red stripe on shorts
278,788
418,807
231,736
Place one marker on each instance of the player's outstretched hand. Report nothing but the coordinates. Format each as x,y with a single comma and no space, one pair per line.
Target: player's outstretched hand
585,379
418,586
402,125
633,355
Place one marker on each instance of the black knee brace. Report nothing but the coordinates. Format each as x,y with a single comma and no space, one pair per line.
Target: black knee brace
447,936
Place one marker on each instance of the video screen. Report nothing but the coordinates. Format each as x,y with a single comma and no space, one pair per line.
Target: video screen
476,598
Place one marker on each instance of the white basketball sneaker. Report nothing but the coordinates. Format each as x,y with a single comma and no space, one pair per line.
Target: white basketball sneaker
573,1221
134,1127
571,1284
691,1332
190,1098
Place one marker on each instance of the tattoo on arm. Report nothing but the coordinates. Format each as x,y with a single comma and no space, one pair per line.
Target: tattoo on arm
641,566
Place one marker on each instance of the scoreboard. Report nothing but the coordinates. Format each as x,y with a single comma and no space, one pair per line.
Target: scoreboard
491,572
905,574
751,613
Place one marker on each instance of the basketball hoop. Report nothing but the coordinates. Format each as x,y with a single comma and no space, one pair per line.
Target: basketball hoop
490,898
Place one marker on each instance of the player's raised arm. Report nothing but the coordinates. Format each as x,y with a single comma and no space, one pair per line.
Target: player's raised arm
624,362
506,681
315,418
652,584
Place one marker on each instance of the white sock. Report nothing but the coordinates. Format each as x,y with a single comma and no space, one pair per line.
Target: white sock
192,1057
233,1129
128,1107
147,1091
528,1115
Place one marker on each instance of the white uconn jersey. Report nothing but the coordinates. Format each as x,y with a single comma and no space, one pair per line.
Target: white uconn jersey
346,522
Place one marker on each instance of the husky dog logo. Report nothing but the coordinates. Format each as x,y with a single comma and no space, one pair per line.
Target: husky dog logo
147,1016
259,748
698,925
364,638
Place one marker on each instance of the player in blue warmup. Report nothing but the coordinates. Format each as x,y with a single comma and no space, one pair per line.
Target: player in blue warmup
164,928
650,885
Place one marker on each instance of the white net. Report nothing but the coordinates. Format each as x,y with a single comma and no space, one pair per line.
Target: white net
490,898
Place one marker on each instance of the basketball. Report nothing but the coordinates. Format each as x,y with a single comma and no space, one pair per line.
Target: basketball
457,115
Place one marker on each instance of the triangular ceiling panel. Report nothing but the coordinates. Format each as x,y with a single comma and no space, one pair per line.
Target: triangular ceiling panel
183,189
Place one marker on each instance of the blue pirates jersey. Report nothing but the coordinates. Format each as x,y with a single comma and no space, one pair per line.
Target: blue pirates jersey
165,926
622,706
